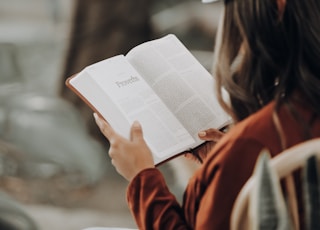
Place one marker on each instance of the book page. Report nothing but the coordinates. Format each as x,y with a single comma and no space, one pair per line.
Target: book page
129,94
185,86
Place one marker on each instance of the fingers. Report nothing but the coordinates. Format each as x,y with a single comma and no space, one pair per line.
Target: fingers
194,157
136,133
210,135
104,127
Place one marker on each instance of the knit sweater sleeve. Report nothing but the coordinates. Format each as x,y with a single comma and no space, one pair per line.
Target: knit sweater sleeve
152,204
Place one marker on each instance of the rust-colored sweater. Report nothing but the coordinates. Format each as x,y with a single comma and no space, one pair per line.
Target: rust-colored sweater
210,194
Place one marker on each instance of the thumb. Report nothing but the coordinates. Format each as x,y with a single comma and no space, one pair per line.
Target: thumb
136,131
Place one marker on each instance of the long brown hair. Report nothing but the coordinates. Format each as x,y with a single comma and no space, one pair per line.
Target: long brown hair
264,55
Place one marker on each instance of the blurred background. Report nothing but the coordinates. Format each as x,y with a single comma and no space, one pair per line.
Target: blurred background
55,172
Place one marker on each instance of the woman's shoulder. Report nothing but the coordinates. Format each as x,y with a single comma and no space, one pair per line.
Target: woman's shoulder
257,128
245,140
255,123
248,137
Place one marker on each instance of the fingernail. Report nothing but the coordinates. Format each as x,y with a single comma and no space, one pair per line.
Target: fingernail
202,134
96,118
136,124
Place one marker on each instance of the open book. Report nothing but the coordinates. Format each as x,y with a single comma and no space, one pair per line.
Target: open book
160,84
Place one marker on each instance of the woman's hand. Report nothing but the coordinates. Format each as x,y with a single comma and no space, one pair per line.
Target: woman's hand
129,157
211,136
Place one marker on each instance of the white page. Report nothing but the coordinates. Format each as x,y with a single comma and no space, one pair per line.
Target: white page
181,81
131,95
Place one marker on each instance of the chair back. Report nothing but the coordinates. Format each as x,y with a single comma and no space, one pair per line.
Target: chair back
268,200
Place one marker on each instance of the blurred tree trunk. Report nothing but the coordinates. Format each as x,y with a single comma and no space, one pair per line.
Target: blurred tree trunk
101,29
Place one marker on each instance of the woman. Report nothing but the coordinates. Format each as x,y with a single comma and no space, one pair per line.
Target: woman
268,54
